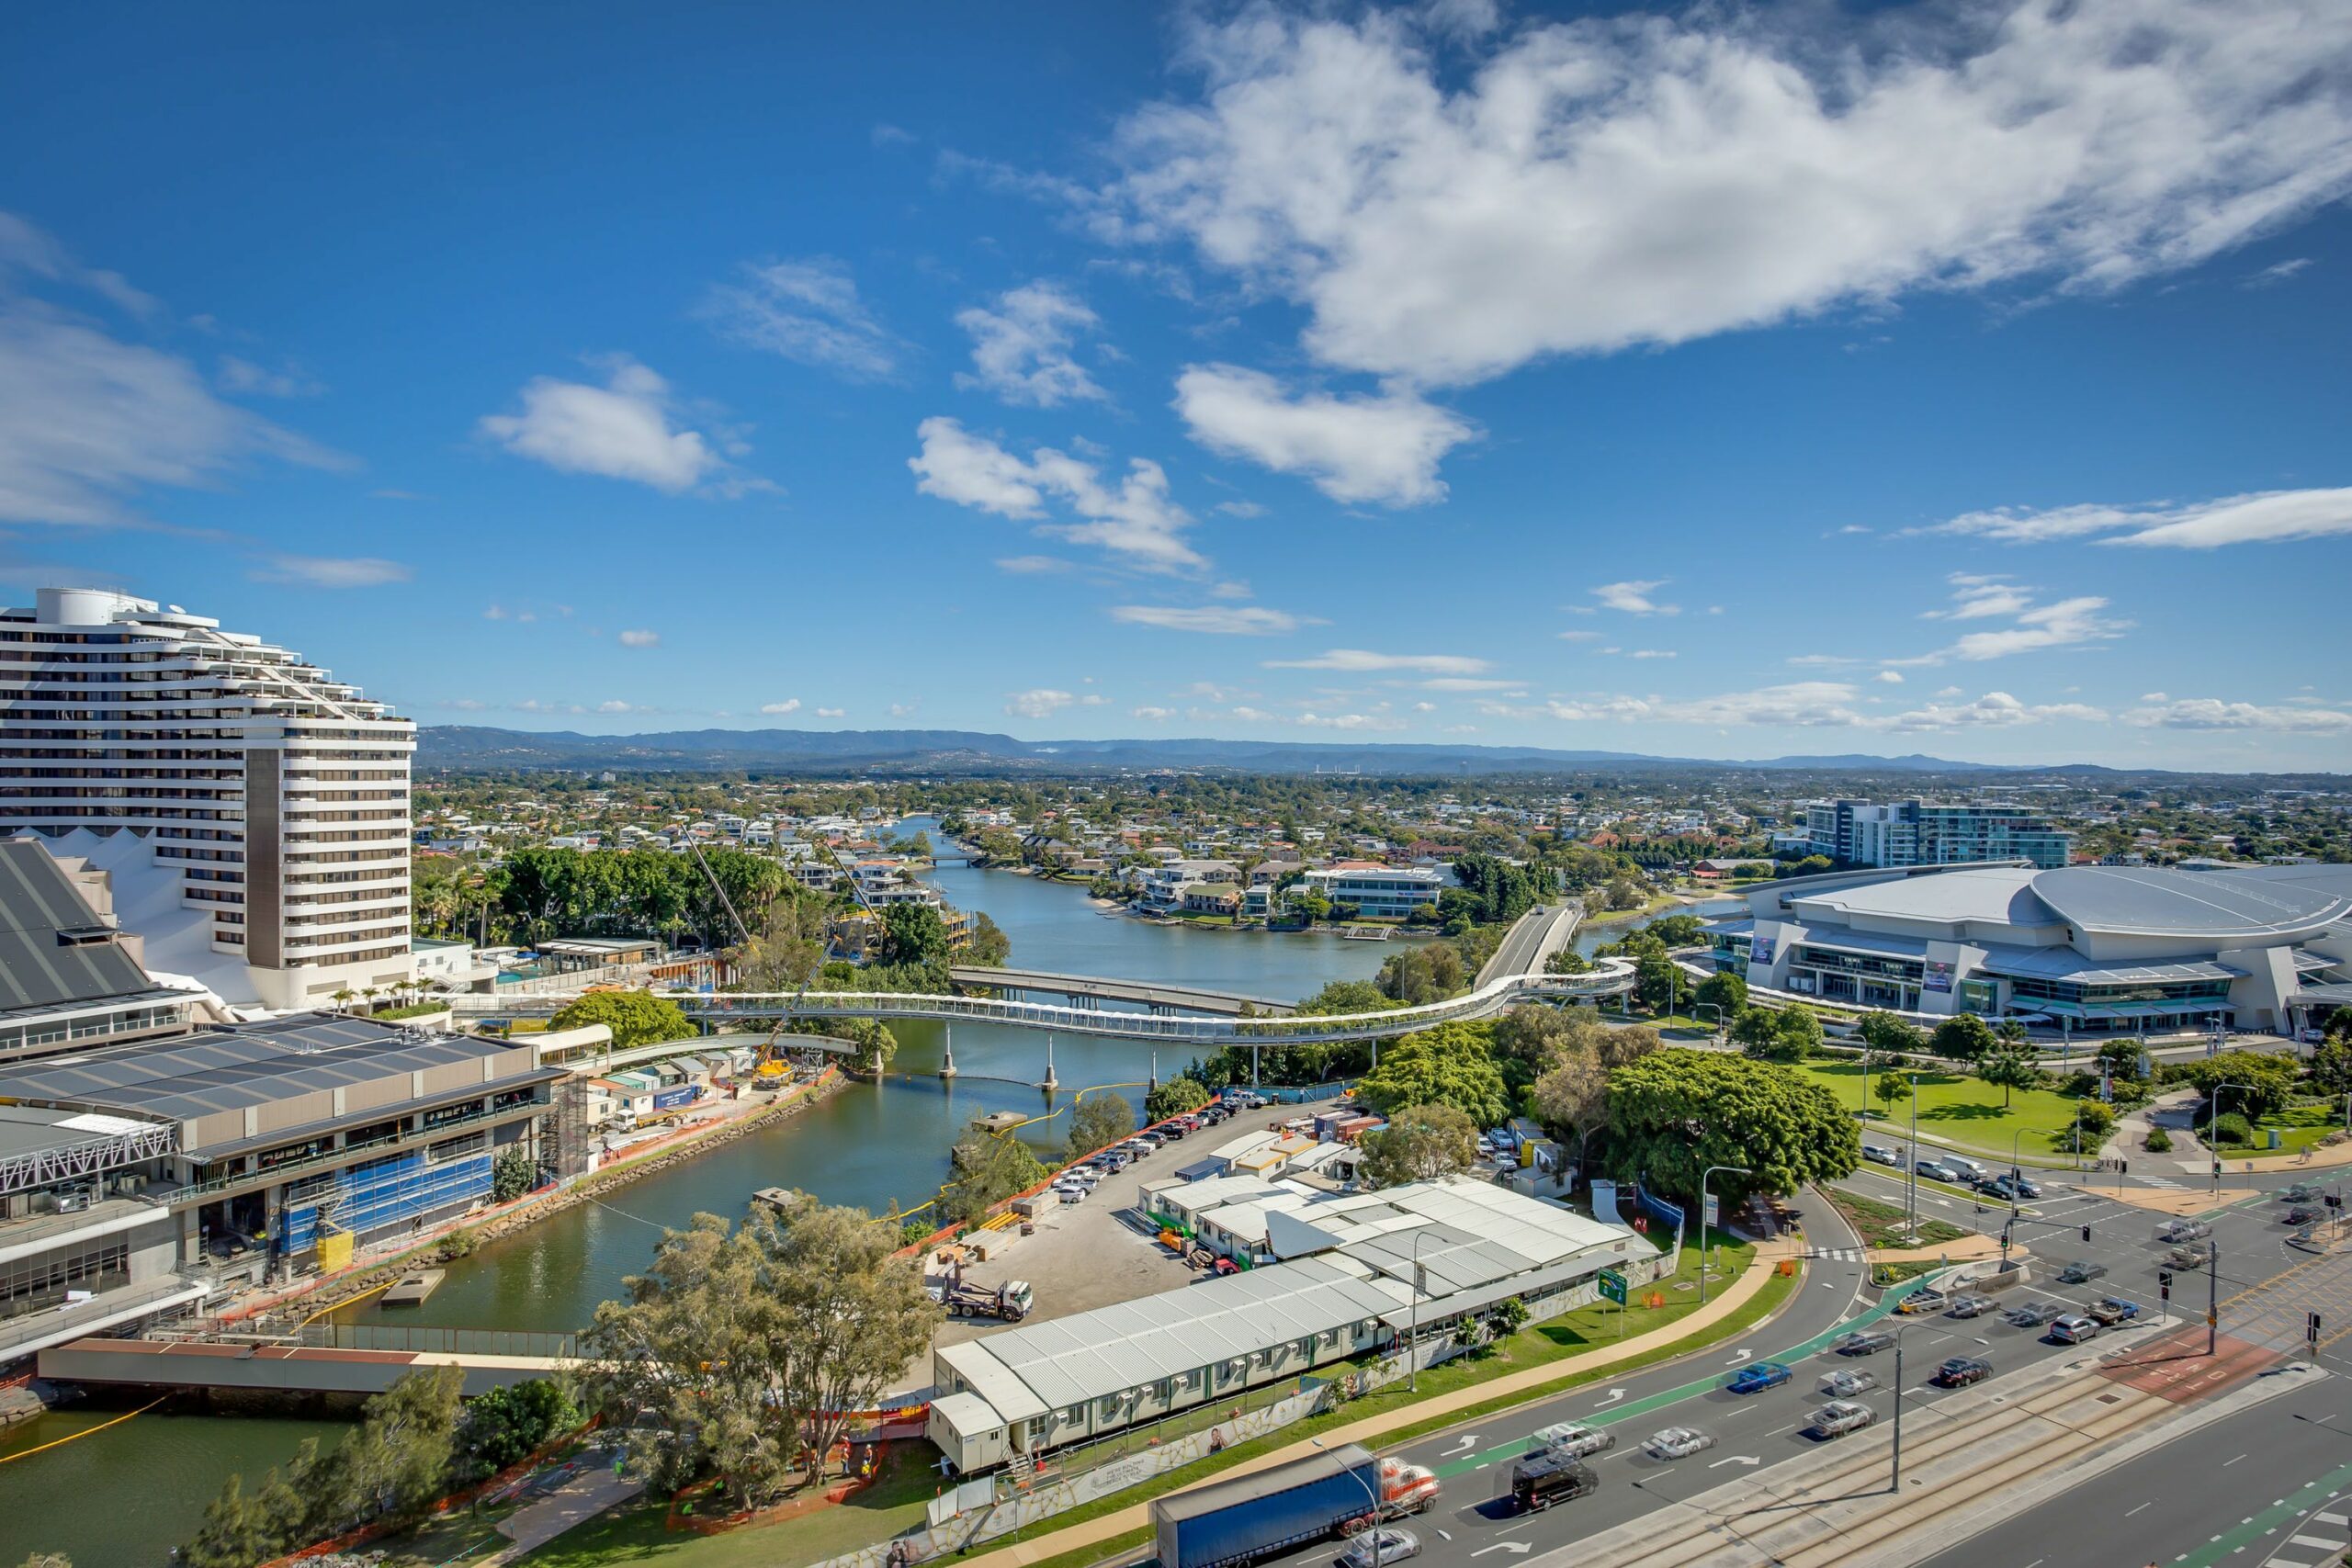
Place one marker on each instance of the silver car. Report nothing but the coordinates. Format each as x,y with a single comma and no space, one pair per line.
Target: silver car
1848,1381
1679,1442
1374,1547
1571,1438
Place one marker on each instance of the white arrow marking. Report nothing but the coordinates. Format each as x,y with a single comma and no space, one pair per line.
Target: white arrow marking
1614,1395
1516,1547
1737,1459
1738,1358
1461,1446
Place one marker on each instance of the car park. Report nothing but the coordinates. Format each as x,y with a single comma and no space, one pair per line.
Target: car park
1968,1304
1841,1417
2033,1314
2081,1271
1961,1370
1864,1342
1540,1480
1848,1381
1678,1442
1374,1547
1756,1378
2112,1311
1572,1439
2074,1329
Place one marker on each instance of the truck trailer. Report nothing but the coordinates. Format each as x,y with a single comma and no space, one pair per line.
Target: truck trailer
1228,1523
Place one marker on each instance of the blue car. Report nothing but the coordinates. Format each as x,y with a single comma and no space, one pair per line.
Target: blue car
1758,1377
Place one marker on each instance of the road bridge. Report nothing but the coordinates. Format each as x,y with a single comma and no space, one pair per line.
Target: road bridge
310,1361
1532,940
1083,989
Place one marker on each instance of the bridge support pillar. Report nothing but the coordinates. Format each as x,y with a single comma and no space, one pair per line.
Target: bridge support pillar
1253,1064
1152,1087
1051,1082
947,1067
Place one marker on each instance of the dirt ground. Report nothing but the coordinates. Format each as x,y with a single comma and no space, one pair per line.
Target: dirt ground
1089,1254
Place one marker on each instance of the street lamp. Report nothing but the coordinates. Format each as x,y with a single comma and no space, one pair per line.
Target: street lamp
1914,1161
1696,1007
2212,1120
1413,1351
1704,1229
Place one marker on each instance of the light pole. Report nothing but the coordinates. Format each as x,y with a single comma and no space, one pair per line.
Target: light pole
1413,1351
1706,1232
1914,1161
1896,1484
1696,1007
2212,1120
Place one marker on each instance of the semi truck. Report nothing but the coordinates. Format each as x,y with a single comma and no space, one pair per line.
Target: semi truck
1229,1523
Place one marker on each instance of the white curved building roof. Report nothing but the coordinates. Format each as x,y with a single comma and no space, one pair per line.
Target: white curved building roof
2116,900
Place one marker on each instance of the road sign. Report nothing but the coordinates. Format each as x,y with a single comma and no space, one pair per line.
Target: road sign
1714,1207
1613,1286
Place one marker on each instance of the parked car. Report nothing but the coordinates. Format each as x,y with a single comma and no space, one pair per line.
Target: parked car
1572,1439
1926,1299
2081,1271
2033,1314
2073,1329
1879,1154
1374,1547
1841,1417
2186,1257
1961,1370
1968,1304
2183,1230
1540,1480
1756,1378
2111,1311
1848,1381
1864,1342
1678,1442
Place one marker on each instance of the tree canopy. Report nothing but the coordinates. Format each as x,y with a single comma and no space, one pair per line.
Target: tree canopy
984,1168
913,934
1174,1098
1098,1122
1420,1143
1964,1037
2272,1078
635,1017
1675,1113
1452,1064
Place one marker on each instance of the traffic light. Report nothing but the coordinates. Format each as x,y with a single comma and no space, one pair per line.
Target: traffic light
2164,1283
2310,1328
2086,1233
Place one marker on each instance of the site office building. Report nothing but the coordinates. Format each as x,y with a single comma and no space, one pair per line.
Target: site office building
252,810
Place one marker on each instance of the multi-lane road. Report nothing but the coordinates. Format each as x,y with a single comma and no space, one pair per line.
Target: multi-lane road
1473,1519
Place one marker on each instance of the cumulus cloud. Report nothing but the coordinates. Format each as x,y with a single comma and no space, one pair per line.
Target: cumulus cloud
832,713
1041,701
1229,620
326,571
2068,623
1636,598
1889,677
640,640
789,705
1799,705
1992,710
2261,517
1153,715
1357,661
2161,712
1382,448
807,310
1020,347
1591,185
623,429
1136,520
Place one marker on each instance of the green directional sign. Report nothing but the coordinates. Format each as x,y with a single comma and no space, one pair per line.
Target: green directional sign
1613,1286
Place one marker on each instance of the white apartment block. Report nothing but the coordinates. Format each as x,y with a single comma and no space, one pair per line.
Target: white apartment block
251,813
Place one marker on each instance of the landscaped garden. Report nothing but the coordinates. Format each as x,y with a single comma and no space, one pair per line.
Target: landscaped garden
1964,1111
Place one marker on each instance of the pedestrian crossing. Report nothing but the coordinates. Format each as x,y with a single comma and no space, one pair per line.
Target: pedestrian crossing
2328,1533
2164,1182
1836,1254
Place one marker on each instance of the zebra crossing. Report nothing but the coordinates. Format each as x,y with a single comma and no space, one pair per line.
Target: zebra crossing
1835,1254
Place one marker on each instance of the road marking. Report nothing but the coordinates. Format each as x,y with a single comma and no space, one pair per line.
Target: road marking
1516,1547
2323,1542
1445,1534
1738,1358
2332,1520
2129,1514
1461,1446
2226,1463
1750,1460
1614,1395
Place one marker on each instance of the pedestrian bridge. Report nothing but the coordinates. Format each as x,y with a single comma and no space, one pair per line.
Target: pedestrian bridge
323,1359
1609,977
1084,989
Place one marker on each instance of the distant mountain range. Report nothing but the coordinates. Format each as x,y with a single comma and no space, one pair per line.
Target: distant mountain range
975,751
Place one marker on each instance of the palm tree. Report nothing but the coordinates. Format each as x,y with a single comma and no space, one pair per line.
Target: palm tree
370,993
344,998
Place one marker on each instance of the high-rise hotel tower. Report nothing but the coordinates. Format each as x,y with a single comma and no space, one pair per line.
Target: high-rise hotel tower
251,811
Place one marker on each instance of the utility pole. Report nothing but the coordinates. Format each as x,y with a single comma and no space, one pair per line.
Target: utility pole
1914,1162
1897,1486
2212,1293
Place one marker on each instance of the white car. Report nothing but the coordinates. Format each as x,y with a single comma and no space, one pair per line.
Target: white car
1848,1381
1375,1548
1571,1438
1679,1442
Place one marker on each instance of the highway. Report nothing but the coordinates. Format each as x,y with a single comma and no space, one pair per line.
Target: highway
1533,938
1473,1518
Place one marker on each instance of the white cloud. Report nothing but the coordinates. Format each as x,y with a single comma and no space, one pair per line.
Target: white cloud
1634,598
2212,713
2277,272
1800,705
1137,521
1155,715
1235,590
1992,710
1241,509
243,375
1382,448
615,706
1231,620
884,134
790,705
1889,677
1460,684
1350,721
1042,702
832,713
1361,661
1587,186
640,640
2262,517
2069,623
1975,598
1033,566
326,571
1020,347
620,431
806,310
1579,636
29,252
1652,653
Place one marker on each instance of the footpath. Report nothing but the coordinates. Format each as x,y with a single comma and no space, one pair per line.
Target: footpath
1372,1431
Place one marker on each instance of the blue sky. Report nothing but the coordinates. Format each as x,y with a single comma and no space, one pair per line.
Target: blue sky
1968,380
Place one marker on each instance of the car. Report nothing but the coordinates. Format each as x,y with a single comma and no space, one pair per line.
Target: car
2081,1271
1968,1304
1072,1194
1863,1342
1926,1299
2301,1192
1374,1547
1848,1381
1961,1370
2073,1329
2027,1187
2183,1230
1756,1378
1841,1417
1678,1442
2304,1215
2033,1314
1879,1154
1540,1480
2186,1257
2111,1311
1935,1170
1967,1172
1572,1439
1172,1129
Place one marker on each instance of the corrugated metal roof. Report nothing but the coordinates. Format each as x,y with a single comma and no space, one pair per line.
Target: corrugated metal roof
2166,901
40,968
2065,963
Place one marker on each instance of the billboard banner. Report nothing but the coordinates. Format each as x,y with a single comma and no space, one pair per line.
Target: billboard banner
1939,977
1759,952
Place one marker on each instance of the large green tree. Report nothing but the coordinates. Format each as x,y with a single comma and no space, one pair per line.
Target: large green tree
1097,1122
1420,1143
1964,1037
1174,1098
984,1168
1450,1064
2272,1080
1890,1035
913,934
635,1017
2008,1069
1675,1113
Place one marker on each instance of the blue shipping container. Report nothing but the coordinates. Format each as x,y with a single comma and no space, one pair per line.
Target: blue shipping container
670,1099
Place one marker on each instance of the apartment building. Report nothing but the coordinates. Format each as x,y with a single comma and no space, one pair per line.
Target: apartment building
1913,832
250,812
1379,892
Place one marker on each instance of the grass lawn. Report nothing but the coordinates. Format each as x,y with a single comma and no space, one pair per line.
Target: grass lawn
2300,1127
639,1535
1881,1225
1963,1110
